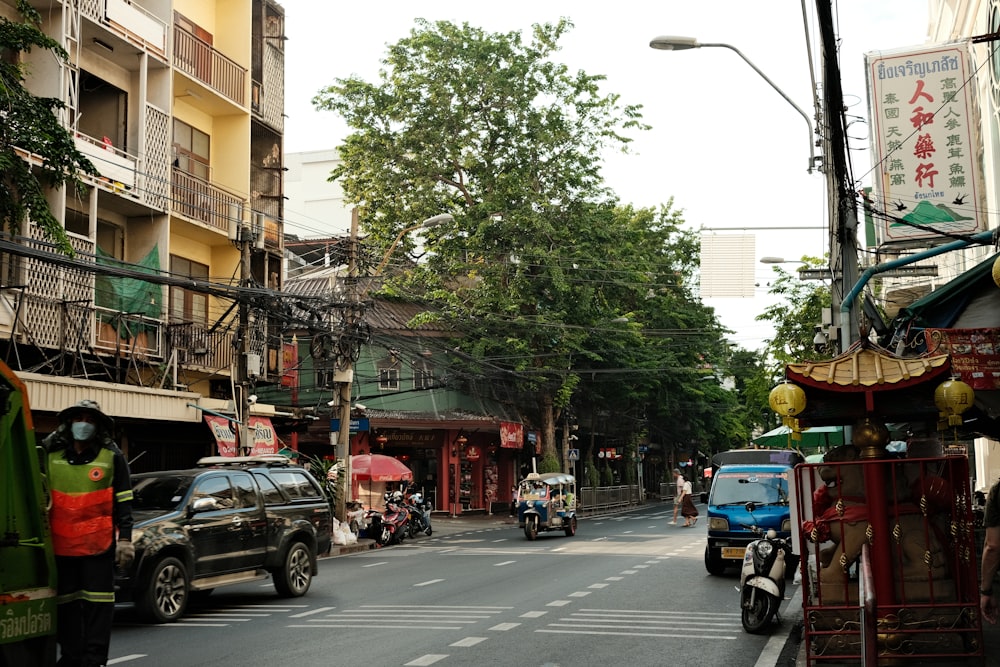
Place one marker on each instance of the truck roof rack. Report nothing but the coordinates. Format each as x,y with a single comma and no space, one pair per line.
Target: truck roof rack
241,461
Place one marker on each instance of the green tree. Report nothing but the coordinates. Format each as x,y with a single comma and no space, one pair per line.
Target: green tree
487,127
796,317
31,126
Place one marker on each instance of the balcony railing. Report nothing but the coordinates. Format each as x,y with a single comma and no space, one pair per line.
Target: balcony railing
197,346
122,333
199,200
197,58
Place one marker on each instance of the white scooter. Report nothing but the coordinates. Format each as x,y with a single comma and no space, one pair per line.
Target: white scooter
762,578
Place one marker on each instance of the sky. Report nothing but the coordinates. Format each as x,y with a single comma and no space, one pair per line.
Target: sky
724,145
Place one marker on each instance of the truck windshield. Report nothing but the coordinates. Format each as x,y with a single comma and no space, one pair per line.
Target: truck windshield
742,487
159,493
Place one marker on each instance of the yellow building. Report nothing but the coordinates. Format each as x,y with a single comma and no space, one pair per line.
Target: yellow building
179,106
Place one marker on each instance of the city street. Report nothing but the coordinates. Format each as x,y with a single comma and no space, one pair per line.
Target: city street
628,589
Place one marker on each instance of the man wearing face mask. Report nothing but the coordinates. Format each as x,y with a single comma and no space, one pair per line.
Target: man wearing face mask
91,522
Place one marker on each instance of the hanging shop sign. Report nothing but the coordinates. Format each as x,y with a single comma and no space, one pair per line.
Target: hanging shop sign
472,453
511,435
225,437
975,354
261,432
925,141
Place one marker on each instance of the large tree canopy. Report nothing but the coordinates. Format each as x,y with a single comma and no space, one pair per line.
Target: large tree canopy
551,282
30,125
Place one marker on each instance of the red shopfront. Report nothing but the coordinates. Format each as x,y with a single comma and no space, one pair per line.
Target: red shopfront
458,469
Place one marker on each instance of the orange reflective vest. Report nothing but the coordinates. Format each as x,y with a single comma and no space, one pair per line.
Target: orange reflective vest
82,504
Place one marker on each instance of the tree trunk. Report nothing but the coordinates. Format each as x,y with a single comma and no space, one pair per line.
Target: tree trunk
548,427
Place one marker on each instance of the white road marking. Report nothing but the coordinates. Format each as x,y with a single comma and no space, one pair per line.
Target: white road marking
597,586
640,567
504,627
629,571
468,641
381,562
627,532
501,540
686,634
428,583
313,611
613,578
182,624
533,614
425,660
126,658
558,603
557,549
502,563
579,594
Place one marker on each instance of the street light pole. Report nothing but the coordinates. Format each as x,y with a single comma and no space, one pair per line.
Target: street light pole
354,315
674,43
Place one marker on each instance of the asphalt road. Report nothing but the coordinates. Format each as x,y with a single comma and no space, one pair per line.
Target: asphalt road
627,589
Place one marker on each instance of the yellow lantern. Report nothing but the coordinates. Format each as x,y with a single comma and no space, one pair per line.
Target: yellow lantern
953,397
996,271
787,399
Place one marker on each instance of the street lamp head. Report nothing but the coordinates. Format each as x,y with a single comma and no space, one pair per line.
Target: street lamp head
437,220
673,43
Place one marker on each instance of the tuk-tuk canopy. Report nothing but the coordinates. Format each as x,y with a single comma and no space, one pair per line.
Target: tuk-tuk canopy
550,478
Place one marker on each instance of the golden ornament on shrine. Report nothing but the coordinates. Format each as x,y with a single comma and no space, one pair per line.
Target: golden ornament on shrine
870,437
952,398
787,399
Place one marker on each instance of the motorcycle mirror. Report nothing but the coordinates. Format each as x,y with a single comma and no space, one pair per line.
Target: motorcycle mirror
750,506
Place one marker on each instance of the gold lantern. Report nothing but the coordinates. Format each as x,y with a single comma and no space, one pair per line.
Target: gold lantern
952,398
787,399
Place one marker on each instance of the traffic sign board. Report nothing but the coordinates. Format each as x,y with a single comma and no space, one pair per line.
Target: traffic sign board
574,455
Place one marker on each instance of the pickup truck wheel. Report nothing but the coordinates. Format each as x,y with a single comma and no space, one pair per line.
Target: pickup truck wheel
294,578
165,596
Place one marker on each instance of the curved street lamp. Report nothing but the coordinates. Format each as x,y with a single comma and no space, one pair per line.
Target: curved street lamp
675,43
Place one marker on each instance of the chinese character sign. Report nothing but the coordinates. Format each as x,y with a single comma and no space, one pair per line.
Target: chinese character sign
926,144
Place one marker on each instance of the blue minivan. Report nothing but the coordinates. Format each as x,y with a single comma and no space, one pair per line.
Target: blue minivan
760,476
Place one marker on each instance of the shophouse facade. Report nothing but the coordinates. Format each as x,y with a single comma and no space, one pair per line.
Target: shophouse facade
179,106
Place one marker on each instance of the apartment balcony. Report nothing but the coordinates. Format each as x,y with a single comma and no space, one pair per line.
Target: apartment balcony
119,29
200,61
199,200
198,347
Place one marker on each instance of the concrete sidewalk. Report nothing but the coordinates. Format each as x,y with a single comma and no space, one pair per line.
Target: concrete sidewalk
443,524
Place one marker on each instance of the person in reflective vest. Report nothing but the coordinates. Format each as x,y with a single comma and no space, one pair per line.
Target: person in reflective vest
91,523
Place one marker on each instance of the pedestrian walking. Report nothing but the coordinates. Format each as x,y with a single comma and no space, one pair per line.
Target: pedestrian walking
678,492
688,510
91,522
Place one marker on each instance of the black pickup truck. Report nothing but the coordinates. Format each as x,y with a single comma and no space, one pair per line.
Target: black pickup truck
230,520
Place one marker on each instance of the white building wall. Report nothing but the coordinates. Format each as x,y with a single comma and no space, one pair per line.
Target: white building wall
315,206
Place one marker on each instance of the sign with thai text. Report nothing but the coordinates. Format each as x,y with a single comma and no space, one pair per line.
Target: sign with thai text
975,354
225,437
926,144
511,435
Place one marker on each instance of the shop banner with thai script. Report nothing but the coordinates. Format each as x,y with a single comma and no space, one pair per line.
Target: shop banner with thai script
511,435
975,354
262,434
926,144
225,438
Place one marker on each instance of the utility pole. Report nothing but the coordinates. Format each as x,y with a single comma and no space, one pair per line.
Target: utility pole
346,366
246,237
843,207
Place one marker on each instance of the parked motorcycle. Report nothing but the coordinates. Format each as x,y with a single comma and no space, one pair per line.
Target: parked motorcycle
420,515
762,578
393,520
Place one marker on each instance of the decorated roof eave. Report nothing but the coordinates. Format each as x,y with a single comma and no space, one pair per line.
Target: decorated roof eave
866,368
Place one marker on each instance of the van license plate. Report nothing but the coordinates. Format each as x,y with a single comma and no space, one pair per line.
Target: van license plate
733,552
